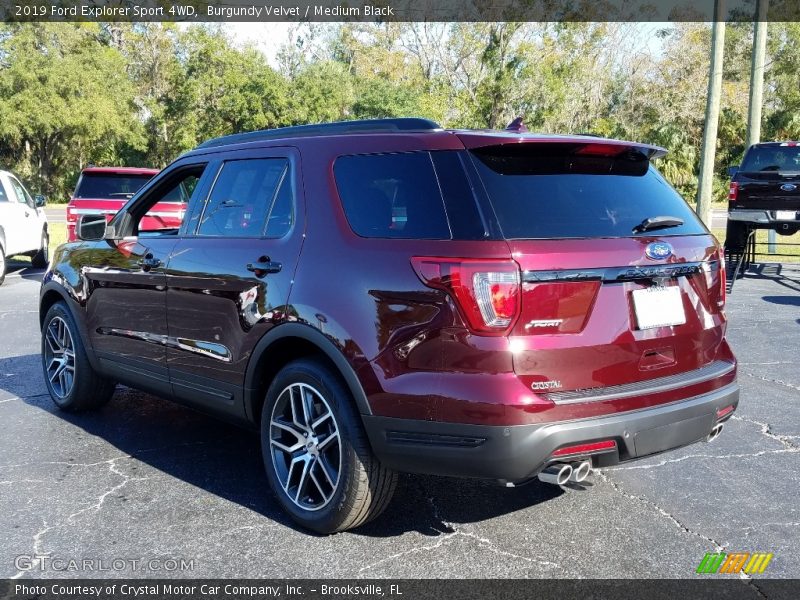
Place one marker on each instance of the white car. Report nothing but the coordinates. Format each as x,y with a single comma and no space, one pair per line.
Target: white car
23,224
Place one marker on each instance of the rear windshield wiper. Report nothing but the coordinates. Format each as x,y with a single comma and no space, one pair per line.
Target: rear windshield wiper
657,223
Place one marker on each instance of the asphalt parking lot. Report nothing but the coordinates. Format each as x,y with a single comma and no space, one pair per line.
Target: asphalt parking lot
145,479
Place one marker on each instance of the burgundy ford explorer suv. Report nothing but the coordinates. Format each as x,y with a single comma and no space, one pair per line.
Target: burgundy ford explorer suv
382,296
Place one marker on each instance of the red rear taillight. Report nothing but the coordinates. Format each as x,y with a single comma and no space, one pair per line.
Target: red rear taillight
71,216
733,192
487,292
723,279
603,446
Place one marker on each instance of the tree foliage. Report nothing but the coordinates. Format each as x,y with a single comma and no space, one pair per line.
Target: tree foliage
142,93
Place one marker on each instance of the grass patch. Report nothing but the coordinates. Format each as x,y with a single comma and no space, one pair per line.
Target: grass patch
761,246
58,234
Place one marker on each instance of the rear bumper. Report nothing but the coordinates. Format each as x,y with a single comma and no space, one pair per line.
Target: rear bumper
759,216
515,453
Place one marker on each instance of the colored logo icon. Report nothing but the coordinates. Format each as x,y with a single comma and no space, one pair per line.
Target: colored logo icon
734,562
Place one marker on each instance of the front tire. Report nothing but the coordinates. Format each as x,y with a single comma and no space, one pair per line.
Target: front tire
72,382
318,460
41,259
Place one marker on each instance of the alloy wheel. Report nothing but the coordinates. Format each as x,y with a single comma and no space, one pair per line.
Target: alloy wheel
59,356
305,446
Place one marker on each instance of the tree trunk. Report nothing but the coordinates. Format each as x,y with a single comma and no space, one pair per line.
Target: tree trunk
757,73
706,179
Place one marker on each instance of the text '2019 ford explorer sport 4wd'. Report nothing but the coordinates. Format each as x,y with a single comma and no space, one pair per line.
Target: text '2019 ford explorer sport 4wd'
382,296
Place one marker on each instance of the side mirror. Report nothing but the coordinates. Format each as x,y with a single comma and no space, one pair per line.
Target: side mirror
91,228
39,200
732,170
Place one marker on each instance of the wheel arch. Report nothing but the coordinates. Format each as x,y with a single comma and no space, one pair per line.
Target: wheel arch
283,344
48,298
52,293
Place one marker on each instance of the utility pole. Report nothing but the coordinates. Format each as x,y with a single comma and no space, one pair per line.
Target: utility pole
757,87
709,147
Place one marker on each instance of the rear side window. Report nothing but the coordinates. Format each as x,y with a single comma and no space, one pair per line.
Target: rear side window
772,158
243,196
544,191
109,186
392,196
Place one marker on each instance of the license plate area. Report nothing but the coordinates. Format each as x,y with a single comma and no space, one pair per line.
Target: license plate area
658,306
785,215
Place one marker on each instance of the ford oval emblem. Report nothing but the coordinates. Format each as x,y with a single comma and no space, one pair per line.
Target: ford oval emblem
788,187
658,250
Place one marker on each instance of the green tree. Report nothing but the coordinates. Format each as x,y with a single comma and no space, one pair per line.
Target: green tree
322,91
65,100
219,89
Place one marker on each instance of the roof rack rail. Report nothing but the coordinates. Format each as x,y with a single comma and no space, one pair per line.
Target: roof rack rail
338,127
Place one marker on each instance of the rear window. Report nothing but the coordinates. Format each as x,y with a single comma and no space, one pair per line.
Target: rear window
542,191
772,158
109,186
392,196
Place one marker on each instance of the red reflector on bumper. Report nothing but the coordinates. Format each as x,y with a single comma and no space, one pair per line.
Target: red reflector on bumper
586,448
722,412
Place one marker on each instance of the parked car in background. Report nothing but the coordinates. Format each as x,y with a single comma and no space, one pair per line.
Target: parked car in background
104,190
382,296
23,224
764,192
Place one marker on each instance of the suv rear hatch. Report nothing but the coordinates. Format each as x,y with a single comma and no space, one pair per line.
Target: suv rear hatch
107,191
607,300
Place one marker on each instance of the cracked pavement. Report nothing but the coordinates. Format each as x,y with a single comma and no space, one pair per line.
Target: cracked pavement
146,479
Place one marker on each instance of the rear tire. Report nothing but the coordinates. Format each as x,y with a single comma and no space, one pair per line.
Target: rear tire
72,382
2,264
41,259
736,236
787,230
318,460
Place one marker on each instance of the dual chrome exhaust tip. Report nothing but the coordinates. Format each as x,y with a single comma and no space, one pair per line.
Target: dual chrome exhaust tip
563,473
715,432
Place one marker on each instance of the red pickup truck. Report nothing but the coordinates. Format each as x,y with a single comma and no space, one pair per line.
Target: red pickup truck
104,190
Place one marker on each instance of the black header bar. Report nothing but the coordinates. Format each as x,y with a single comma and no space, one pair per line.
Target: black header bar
197,11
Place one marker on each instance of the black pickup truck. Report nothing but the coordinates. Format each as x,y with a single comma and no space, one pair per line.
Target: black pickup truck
764,192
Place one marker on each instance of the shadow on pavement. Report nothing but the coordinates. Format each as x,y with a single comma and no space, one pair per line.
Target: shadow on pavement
787,275
225,460
783,300
23,269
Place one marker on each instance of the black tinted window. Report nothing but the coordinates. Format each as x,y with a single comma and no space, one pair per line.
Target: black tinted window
242,197
466,221
164,216
108,186
280,217
550,191
772,158
392,196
